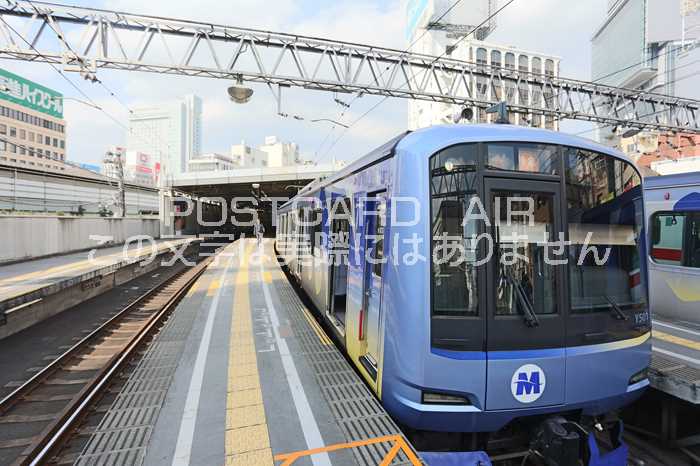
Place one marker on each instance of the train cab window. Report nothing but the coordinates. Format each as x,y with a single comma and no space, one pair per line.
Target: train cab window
605,215
526,279
675,238
533,158
453,252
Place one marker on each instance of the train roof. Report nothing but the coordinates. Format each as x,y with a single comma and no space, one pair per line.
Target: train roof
437,137
672,181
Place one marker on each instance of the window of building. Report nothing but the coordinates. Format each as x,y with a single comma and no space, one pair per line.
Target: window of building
523,64
62,144
549,67
40,152
47,140
22,134
13,148
510,61
3,129
481,57
30,136
536,65
55,142
22,150
675,238
496,58
3,145
13,132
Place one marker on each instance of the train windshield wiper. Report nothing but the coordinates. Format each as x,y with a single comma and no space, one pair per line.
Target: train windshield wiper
529,315
619,315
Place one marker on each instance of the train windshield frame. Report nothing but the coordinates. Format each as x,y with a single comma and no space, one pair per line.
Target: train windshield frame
594,212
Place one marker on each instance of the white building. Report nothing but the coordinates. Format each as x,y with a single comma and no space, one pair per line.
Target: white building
246,156
211,162
171,133
280,154
446,37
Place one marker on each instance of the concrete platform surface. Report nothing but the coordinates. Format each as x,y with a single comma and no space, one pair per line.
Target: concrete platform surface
24,277
242,374
675,365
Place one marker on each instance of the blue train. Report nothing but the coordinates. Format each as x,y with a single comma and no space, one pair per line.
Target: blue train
479,274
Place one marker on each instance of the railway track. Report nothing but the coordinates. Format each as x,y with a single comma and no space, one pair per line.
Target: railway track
41,415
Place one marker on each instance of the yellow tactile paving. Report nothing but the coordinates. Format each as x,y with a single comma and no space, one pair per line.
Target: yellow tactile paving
251,458
695,345
242,398
247,438
245,416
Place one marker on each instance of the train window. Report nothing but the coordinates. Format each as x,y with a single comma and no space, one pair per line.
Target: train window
534,158
453,252
675,238
525,276
377,252
605,215
317,229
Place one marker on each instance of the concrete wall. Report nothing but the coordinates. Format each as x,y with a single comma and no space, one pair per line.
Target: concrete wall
31,237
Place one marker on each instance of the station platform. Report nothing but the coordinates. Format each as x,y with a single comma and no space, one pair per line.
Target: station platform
242,374
675,367
33,290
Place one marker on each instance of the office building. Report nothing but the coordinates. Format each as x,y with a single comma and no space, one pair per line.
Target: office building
280,154
170,133
431,32
650,45
211,162
32,128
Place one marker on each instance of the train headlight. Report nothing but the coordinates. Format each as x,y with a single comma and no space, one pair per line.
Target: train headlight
443,399
639,376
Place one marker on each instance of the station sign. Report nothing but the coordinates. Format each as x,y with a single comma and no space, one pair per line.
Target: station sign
21,91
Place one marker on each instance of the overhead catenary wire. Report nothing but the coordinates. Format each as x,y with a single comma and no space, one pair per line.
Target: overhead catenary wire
346,106
371,109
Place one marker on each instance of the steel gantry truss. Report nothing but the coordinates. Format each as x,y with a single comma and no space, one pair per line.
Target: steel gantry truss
84,39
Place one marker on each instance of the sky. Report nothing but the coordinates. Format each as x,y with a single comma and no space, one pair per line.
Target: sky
558,27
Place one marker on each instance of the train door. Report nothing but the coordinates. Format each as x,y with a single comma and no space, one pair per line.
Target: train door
373,237
525,321
339,242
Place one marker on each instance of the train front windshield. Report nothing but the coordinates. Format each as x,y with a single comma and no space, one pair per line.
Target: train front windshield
567,266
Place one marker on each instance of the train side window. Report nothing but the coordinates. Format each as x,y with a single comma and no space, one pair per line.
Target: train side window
377,253
676,239
317,229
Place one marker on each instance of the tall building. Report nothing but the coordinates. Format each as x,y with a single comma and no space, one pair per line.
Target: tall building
431,31
137,166
32,128
170,133
650,45
280,154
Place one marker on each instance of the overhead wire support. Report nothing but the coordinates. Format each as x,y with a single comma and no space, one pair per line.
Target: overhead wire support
123,41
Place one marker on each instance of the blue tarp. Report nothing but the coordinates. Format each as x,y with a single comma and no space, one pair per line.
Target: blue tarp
462,458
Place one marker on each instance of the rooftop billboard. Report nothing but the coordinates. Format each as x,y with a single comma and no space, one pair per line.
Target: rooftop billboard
21,91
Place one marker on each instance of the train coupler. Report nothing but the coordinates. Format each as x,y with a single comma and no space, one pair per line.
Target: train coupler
560,442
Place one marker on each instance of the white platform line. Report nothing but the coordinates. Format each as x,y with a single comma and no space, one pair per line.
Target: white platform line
312,435
675,327
676,355
185,437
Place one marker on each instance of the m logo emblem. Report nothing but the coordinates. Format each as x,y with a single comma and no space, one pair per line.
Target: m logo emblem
528,383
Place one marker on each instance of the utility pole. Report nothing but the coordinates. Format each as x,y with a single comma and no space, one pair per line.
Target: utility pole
115,159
